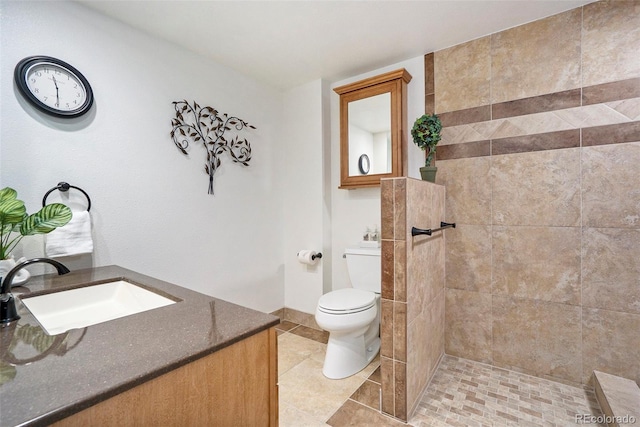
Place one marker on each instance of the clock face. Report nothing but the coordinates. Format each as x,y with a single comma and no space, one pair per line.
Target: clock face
54,86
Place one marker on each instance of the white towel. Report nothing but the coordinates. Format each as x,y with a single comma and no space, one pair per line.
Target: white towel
72,239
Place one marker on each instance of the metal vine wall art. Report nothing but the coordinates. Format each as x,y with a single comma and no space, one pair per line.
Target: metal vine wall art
195,124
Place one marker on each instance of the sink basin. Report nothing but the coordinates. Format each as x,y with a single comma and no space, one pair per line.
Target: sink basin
61,311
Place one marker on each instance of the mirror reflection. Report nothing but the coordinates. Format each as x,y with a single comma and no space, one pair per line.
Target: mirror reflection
370,134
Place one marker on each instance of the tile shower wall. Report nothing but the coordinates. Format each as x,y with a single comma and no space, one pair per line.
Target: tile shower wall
412,298
539,156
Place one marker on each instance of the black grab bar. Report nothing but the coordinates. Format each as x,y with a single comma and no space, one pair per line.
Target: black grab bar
417,231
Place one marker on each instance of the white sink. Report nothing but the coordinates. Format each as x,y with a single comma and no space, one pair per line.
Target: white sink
77,308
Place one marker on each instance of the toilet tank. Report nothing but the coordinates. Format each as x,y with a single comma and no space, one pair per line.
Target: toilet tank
365,269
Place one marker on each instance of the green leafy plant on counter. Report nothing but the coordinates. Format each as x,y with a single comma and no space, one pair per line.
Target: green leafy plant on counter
15,223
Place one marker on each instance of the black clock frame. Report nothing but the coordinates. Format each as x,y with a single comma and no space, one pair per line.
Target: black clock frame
21,82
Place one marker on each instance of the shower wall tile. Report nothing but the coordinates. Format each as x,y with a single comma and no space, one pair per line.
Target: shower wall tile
425,343
536,104
436,276
427,275
538,263
400,208
611,269
610,343
387,254
538,337
611,134
464,150
611,185
610,40
429,84
538,58
388,386
538,142
542,181
547,190
468,325
419,207
435,338
400,372
400,271
468,258
400,331
461,117
419,289
387,217
386,328
470,62
468,184
605,92
425,254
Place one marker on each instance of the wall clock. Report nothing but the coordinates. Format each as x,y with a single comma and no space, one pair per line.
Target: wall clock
53,86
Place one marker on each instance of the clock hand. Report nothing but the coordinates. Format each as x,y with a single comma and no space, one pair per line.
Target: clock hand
56,85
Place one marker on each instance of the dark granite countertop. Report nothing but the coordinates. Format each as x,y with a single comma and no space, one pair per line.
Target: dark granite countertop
46,378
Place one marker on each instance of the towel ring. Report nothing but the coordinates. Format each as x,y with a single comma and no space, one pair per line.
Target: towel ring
64,187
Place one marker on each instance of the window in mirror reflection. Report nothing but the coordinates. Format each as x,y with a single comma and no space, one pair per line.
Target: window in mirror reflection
370,133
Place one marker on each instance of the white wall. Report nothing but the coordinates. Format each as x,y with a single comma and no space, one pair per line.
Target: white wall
303,194
355,210
151,210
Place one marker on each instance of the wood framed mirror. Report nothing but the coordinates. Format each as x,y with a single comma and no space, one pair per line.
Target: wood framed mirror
372,124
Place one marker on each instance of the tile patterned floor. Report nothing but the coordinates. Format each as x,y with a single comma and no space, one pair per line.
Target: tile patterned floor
467,393
462,393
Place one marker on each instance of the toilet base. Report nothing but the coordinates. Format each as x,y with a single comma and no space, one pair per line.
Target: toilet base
348,355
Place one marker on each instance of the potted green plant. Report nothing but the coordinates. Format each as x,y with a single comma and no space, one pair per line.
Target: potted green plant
426,135
15,223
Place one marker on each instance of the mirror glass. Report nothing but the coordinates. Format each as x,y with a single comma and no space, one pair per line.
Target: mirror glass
372,136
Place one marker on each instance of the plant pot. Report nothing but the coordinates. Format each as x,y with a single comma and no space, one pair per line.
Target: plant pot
428,173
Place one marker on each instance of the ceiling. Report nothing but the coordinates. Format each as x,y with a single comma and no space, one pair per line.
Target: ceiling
288,43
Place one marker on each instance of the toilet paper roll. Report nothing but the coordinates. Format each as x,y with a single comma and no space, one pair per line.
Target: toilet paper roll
306,256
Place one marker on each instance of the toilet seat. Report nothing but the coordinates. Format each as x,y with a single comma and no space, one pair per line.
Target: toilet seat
346,301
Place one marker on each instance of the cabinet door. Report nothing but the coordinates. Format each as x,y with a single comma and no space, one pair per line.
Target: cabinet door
234,386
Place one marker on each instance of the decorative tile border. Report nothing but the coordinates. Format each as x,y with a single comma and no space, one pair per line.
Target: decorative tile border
611,134
586,137
536,104
589,95
606,92
612,122
464,150
429,84
463,117
539,142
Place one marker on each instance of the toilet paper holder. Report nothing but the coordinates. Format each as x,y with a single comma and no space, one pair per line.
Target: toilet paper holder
313,257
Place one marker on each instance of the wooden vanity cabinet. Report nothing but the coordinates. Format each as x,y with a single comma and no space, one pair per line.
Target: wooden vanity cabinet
235,386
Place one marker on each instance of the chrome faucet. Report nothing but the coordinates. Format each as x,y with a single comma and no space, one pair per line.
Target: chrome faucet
8,311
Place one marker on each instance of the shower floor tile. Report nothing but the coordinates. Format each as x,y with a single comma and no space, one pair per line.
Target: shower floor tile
467,393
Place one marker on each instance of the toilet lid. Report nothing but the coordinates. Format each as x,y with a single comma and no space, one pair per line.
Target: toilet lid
346,300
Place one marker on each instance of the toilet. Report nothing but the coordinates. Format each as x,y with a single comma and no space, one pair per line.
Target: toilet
352,316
